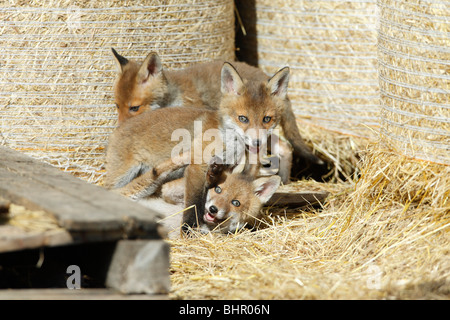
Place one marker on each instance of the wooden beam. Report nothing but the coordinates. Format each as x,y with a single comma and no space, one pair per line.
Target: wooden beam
297,198
66,294
13,238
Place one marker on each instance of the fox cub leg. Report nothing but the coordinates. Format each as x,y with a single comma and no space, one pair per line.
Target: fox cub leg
198,179
173,191
118,177
194,196
150,180
142,186
285,154
280,161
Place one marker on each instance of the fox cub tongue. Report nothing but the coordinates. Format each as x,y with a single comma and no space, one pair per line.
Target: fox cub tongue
208,217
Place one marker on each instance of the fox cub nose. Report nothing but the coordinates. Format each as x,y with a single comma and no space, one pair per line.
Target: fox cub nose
213,209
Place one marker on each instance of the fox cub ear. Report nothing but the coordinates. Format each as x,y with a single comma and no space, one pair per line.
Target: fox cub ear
151,67
265,187
231,81
278,84
120,61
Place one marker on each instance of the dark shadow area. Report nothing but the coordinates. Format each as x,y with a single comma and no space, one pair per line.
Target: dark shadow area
246,44
47,267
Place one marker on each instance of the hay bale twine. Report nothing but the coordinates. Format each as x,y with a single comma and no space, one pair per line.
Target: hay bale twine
57,71
330,47
414,59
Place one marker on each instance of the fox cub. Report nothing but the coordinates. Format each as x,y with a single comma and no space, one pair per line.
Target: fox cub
140,155
232,200
146,86
140,151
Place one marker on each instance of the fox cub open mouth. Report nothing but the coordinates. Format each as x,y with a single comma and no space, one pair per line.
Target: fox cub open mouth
234,199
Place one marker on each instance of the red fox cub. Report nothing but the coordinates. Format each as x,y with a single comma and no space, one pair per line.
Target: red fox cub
146,86
142,153
233,200
139,152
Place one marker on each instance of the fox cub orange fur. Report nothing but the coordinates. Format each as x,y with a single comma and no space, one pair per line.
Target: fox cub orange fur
232,200
139,155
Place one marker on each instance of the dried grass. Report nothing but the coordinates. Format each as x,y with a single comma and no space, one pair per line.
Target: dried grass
57,69
382,236
331,48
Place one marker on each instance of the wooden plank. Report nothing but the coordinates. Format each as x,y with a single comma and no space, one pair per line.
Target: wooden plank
297,198
13,238
77,205
75,294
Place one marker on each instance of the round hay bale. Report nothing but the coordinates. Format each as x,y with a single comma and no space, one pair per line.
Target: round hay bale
414,64
331,49
57,69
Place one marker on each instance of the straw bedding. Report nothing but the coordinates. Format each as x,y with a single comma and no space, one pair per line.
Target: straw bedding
57,70
382,236
29,220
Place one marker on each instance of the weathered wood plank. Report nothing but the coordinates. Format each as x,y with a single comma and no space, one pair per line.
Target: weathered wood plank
13,238
80,294
77,205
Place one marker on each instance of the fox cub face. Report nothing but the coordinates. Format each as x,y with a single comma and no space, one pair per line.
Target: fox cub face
234,200
139,87
252,109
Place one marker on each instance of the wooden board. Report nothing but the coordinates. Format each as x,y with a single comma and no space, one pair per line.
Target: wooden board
13,238
87,212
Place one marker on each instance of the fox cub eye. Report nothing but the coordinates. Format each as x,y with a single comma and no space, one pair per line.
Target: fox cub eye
267,119
243,119
135,108
117,106
235,203
218,189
